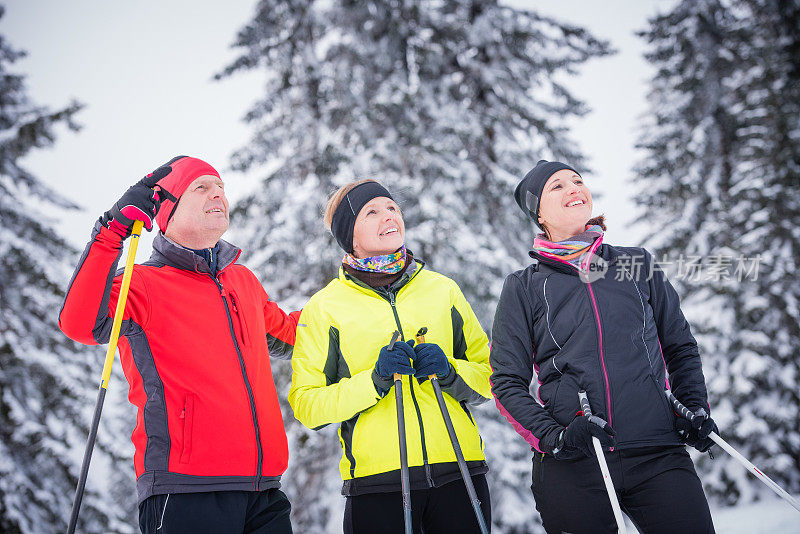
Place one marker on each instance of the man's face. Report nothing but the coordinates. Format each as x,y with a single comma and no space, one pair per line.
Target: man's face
201,216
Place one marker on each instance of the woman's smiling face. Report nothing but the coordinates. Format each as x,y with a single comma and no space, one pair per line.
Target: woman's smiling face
378,229
566,205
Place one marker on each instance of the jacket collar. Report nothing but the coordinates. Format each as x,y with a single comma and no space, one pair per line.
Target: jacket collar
170,253
409,273
605,251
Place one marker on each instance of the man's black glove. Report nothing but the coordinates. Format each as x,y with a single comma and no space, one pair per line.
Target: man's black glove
140,202
578,435
391,361
695,432
429,359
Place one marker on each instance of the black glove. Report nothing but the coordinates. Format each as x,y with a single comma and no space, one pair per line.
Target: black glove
695,432
578,436
139,202
429,359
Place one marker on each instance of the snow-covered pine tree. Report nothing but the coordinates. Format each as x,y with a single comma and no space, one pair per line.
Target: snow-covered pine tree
47,387
721,181
448,104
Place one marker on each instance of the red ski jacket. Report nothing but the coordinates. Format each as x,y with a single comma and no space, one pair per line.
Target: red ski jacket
194,348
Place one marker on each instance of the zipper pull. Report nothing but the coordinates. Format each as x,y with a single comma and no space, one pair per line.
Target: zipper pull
233,301
183,414
391,299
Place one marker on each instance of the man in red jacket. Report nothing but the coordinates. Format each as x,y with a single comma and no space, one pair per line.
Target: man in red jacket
196,335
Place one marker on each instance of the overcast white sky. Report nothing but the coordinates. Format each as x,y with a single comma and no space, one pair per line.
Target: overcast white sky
144,71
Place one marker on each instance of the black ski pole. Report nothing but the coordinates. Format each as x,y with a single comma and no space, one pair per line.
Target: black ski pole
462,464
405,483
101,395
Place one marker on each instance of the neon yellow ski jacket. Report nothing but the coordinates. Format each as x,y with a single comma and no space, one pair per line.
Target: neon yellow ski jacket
339,336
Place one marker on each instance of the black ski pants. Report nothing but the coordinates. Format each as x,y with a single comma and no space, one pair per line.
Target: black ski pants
216,512
657,488
446,509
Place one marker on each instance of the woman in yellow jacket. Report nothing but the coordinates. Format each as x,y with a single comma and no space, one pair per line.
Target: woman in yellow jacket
343,367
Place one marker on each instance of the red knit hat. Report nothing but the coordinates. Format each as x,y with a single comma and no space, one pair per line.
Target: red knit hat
185,170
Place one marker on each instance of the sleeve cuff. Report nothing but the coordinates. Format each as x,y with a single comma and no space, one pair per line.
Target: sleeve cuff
382,384
450,378
559,443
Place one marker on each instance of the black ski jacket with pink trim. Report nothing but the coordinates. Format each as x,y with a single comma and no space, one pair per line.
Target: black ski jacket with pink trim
621,337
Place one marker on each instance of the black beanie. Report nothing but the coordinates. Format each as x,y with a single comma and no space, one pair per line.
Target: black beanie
344,217
528,193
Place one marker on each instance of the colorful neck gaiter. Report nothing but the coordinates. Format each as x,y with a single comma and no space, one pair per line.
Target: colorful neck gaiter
385,263
570,250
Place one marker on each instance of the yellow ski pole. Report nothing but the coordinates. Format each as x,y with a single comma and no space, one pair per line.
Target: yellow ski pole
101,395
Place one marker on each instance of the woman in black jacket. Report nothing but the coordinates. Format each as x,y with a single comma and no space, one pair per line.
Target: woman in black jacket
602,319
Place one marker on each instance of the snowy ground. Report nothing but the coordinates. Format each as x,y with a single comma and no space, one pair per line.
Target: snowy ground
769,516
772,516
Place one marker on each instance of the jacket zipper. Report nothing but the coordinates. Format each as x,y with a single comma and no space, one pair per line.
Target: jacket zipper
599,335
257,480
602,358
396,316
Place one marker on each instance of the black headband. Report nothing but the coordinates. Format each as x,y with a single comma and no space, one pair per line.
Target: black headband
344,217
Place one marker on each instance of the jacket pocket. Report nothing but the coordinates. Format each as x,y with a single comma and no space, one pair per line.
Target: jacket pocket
187,416
239,317
565,400
669,414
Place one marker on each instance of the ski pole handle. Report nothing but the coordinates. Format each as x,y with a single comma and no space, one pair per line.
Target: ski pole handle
682,410
420,337
395,339
421,334
583,398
